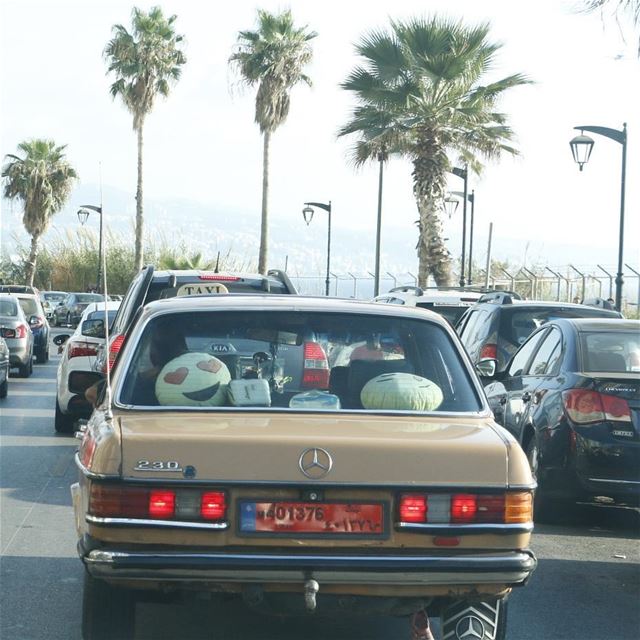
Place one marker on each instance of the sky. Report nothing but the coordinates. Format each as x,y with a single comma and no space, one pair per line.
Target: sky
201,143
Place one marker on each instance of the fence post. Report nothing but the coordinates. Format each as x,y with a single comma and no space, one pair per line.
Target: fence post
512,278
355,284
638,276
534,289
584,284
395,280
610,276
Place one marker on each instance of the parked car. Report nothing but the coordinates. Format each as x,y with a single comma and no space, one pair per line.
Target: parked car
69,311
18,288
450,303
14,328
149,285
386,484
78,354
50,300
571,397
4,368
38,324
498,324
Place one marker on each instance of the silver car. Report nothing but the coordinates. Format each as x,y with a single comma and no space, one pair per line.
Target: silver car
15,330
50,300
4,368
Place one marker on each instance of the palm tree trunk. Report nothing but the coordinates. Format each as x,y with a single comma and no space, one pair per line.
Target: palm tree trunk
33,256
428,189
264,230
139,217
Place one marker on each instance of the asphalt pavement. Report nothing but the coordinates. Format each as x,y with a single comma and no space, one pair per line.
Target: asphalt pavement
586,587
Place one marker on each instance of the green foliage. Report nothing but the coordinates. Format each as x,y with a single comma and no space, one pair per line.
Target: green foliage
70,261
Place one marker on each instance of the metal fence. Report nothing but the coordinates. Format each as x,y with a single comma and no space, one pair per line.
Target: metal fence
566,284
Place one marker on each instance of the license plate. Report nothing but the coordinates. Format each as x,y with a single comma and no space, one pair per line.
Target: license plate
319,518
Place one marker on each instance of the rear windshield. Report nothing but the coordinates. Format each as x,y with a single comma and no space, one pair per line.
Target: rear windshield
450,312
89,297
53,297
184,287
303,361
610,352
8,308
519,324
29,306
99,315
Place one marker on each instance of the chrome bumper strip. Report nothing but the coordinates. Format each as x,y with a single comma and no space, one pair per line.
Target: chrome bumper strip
165,524
608,481
465,529
508,568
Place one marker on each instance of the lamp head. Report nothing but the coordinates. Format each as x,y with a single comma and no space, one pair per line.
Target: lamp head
307,214
83,215
451,204
581,147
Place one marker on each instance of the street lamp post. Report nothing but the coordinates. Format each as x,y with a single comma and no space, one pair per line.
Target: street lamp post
307,214
472,199
581,147
83,215
464,174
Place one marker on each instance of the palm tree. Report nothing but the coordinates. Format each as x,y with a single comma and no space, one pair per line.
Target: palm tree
145,62
273,57
618,8
420,96
42,180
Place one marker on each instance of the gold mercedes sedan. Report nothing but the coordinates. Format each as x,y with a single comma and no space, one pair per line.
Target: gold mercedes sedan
307,455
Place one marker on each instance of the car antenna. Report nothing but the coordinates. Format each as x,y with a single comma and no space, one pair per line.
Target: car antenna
217,267
108,414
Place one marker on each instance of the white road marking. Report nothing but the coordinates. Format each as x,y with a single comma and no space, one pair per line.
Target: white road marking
27,413
14,392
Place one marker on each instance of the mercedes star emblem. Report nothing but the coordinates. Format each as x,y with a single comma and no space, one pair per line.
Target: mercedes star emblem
470,628
315,463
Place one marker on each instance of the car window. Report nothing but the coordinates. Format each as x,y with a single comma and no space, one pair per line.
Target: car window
610,351
547,355
451,313
8,308
306,360
53,297
127,307
29,306
99,315
522,356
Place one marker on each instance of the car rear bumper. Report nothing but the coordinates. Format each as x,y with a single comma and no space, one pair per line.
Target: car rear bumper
504,568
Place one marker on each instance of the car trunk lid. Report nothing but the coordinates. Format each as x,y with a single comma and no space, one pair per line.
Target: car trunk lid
371,450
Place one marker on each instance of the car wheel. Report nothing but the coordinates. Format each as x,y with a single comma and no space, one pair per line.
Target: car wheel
69,323
545,509
25,370
108,612
62,422
480,620
54,321
4,387
43,354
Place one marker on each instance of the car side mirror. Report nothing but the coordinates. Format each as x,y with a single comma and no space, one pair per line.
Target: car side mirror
80,381
93,328
60,339
487,368
34,320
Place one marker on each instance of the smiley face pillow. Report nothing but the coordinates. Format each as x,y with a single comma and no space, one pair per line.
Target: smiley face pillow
193,380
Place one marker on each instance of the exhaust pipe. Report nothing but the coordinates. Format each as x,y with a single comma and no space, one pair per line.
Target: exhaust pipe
311,588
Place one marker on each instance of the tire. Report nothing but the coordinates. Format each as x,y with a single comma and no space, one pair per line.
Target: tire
43,354
54,320
25,370
545,509
69,323
108,612
480,620
63,423
4,387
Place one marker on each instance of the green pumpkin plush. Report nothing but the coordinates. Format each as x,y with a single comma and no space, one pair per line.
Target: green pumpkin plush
193,380
401,392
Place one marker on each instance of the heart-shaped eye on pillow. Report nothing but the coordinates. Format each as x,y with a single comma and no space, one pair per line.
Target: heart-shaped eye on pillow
177,376
213,366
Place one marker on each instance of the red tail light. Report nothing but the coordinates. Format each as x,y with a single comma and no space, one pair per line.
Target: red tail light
584,406
19,332
213,505
413,508
489,351
162,504
77,349
464,507
315,374
114,349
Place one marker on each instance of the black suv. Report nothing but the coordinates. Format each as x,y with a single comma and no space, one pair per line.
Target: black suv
149,285
496,326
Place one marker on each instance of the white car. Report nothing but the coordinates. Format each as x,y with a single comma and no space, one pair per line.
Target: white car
78,354
449,303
